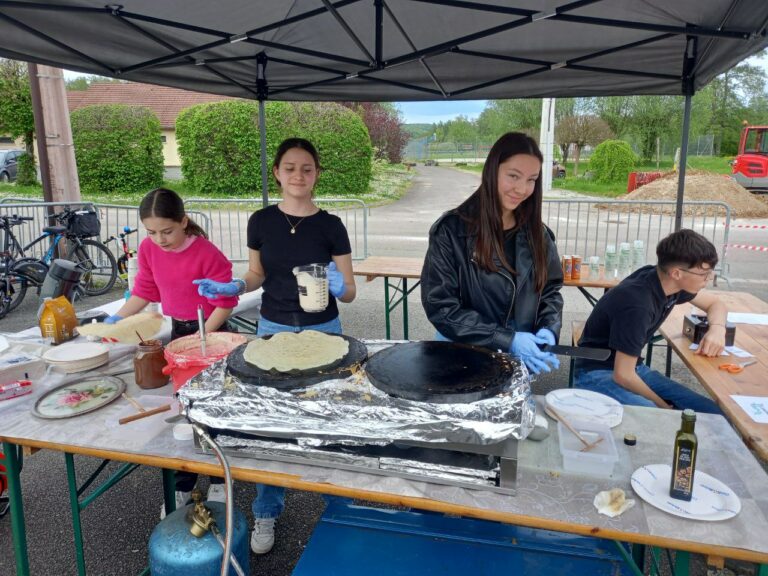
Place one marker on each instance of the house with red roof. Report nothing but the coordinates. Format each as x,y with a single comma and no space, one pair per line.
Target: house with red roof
167,103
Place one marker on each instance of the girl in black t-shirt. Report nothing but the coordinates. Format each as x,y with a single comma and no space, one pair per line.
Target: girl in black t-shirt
292,233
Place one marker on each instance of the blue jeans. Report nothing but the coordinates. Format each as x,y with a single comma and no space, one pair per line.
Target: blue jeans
270,500
673,392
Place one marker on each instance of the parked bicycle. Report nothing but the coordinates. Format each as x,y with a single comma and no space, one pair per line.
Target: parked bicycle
71,240
121,240
16,274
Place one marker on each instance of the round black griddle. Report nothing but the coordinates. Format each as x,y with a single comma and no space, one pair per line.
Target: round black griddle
440,372
250,374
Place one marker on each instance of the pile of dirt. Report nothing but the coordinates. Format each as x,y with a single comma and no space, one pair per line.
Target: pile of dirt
702,186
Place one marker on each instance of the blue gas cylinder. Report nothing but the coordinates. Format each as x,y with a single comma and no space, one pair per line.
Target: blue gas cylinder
174,551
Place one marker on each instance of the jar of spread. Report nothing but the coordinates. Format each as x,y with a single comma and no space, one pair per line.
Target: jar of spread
148,364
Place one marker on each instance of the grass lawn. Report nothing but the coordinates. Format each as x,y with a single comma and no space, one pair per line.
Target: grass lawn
388,183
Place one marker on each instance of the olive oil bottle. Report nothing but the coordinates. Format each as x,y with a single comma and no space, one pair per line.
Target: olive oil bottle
684,458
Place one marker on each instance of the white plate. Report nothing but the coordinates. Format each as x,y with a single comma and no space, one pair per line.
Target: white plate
586,406
711,500
79,352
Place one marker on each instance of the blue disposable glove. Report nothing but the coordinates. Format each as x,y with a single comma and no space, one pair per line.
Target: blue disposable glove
212,289
526,346
335,281
546,334
113,319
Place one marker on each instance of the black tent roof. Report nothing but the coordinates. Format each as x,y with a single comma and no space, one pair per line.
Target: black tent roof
392,50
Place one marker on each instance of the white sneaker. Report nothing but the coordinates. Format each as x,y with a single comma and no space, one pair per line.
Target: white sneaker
181,500
263,535
217,493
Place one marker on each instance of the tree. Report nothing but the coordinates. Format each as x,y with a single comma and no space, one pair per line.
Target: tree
502,116
388,136
616,111
82,83
654,117
462,130
580,131
16,116
734,96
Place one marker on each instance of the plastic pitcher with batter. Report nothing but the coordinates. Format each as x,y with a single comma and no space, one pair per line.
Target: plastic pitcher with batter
312,280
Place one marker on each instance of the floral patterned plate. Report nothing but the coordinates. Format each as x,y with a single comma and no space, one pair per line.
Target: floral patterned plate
79,397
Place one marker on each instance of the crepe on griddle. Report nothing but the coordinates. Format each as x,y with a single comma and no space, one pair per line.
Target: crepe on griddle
290,352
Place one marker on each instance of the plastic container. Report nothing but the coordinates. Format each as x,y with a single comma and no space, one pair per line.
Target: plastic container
312,282
598,461
611,262
62,280
57,319
185,357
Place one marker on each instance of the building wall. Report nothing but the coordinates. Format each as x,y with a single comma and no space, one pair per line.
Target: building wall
170,149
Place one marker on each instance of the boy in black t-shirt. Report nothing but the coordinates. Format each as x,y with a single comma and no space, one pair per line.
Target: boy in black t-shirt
626,318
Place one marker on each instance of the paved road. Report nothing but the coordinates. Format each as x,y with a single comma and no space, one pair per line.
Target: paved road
117,525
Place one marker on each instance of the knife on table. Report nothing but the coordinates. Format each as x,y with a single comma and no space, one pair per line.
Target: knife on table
578,351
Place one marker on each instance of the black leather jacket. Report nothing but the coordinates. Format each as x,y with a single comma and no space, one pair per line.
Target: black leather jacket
467,304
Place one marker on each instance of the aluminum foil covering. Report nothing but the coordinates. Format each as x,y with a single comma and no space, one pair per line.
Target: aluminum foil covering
450,474
354,412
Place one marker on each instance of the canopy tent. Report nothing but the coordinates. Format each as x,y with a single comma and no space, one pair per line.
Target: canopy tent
394,50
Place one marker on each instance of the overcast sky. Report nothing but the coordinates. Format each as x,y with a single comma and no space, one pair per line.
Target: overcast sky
433,112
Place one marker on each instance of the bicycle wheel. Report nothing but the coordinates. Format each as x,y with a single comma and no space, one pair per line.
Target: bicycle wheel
98,266
15,288
3,300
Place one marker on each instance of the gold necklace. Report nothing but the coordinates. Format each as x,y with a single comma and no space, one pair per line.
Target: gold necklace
291,224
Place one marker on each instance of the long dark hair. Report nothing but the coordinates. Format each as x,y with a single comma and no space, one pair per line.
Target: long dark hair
482,210
164,203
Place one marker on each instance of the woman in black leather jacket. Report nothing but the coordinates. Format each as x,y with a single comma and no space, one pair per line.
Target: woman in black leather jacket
492,275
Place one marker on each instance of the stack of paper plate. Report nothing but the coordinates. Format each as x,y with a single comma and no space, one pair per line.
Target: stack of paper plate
77,357
585,406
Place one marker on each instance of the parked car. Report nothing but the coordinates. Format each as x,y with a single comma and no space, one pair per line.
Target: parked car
558,170
9,161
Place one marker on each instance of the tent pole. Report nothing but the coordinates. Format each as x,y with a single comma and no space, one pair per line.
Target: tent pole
262,91
683,162
263,143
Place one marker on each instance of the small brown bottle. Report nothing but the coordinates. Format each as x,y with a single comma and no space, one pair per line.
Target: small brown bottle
684,458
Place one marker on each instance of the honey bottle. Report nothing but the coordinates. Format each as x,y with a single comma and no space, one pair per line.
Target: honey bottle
684,458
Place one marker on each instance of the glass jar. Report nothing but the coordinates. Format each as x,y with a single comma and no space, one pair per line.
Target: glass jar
148,364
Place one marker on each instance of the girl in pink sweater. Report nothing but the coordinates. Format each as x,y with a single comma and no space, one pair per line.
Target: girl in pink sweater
176,252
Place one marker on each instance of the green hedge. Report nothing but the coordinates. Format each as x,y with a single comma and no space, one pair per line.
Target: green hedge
220,151
27,171
612,161
118,148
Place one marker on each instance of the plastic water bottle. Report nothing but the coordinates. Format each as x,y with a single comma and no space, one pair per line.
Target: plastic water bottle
625,259
611,262
638,254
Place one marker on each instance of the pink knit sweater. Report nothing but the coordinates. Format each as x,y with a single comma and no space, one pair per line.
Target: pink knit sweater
166,277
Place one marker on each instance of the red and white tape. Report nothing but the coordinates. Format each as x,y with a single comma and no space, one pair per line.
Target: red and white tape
747,247
751,226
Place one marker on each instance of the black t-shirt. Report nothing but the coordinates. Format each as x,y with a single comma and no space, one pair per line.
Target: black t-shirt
316,239
627,317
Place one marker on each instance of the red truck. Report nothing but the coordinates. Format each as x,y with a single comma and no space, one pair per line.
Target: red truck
750,168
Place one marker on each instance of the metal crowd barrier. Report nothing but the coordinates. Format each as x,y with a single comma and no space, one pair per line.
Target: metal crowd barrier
224,220
585,227
113,218
229,222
